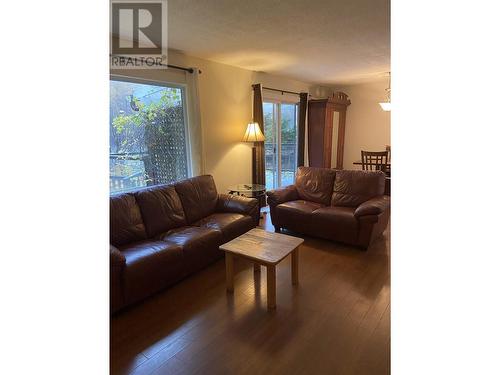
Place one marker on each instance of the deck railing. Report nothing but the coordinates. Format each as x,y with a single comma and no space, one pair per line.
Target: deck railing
288,164
288,156
127,171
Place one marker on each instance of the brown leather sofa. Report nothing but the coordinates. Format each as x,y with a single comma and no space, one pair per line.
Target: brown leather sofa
162,234
341,205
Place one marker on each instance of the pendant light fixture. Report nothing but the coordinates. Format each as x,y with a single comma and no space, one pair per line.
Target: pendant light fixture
386,106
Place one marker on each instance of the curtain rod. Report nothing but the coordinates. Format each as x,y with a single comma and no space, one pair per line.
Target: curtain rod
282,91
189,70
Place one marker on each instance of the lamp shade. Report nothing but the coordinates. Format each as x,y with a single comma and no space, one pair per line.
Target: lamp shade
253,133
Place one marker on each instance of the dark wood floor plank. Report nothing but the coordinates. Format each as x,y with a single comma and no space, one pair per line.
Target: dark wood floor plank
160,358
125,362
336,321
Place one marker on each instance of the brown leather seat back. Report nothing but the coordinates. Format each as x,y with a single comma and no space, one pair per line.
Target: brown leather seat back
353,187
126,223
198,196
161,209
315,184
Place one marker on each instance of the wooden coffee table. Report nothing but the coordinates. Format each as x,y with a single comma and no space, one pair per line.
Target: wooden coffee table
266,249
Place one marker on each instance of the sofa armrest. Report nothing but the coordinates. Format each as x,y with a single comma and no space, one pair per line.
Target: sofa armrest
374,206
117,263
117,258
238,204
282,195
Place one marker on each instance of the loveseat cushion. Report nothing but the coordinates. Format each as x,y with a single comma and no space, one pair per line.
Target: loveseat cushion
150,267
126,223
295,215
161,209
198,196
200,245
353,187
231,225
296,211
298,207
337,223
315,184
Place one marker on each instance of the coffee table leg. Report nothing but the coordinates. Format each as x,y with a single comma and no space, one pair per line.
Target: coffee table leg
229,272
271,287
256,267
295,266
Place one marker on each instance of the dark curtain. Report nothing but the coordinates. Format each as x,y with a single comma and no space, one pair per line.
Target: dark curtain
301,136
258,173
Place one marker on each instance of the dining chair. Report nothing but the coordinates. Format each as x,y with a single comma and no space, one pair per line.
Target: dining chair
374,160
388,168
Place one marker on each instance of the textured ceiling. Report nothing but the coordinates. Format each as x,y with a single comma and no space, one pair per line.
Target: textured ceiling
318,41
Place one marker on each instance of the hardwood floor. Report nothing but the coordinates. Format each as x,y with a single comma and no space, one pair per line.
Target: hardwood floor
336,321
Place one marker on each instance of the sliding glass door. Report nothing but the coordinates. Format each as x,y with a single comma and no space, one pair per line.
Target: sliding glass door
280,129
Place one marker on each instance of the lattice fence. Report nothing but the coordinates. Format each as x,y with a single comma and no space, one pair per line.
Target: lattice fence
165,137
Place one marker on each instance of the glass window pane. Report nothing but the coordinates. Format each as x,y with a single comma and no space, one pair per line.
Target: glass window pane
270,145
288,143
147,136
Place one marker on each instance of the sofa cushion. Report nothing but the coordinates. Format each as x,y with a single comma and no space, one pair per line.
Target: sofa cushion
337,223
231,225
353,187
161,209
315,184
150,267
198,196
126,224
200,245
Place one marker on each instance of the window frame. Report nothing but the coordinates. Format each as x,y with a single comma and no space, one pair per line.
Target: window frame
184,97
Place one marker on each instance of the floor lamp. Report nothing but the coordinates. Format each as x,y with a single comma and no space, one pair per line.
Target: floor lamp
254,134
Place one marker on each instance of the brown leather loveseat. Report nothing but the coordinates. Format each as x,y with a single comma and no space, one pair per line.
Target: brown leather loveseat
341,205
160,235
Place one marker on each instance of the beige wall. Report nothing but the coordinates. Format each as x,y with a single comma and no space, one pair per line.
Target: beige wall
367,127
226,109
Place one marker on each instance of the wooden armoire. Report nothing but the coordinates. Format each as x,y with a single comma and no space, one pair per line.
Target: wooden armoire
326,130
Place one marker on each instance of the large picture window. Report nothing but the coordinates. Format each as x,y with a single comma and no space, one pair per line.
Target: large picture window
148,135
